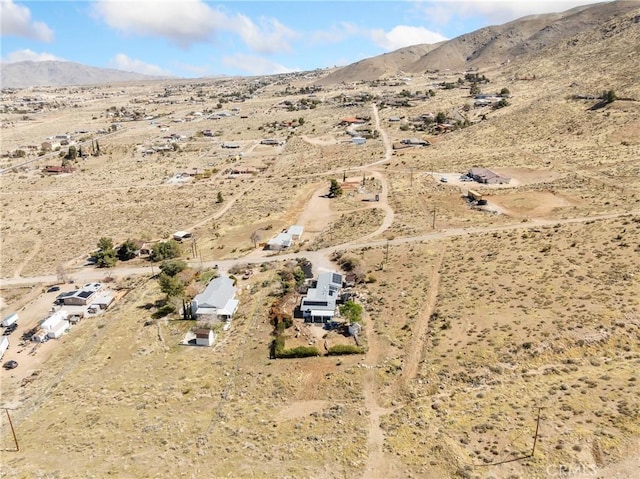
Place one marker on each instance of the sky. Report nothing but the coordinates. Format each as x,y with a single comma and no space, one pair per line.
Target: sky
198,38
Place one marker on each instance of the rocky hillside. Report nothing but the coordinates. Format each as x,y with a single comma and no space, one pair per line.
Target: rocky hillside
490,46
55,73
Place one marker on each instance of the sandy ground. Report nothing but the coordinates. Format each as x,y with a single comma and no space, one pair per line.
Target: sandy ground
473,319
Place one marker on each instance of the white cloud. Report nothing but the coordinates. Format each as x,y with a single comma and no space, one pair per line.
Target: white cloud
184,23
188,22
495,12
270,36
16,20
336,34
254,65
126,63
29,55
404,36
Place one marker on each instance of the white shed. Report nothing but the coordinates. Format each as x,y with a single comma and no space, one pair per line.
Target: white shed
280,242
204,337
295,231
355,329
39,336
181,235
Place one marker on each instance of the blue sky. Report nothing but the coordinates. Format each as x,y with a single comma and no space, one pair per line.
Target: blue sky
195,38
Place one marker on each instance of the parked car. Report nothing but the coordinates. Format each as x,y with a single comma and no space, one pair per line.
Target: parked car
10,329
11,364
53,288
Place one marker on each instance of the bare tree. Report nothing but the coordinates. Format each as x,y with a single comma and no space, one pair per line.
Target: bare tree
255,238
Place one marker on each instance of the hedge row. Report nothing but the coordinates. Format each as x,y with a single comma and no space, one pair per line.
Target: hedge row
340,349
278,350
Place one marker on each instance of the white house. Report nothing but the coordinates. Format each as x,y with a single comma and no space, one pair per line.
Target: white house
81,297
280,242
56,324
217,301
319,305
204,337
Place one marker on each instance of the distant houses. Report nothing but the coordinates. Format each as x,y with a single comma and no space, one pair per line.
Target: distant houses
272,142
410,143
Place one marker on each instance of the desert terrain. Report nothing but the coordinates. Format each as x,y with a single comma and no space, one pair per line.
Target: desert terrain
500,340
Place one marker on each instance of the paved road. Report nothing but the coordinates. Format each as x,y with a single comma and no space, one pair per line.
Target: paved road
87,274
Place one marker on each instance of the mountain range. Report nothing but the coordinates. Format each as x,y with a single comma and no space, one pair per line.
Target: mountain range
535,36
58,73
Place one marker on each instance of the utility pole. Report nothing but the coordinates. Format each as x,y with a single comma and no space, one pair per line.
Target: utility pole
386,253
411,179
535,438
433,223
13,431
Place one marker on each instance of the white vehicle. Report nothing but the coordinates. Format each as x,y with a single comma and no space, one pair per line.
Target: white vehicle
4,345
9,320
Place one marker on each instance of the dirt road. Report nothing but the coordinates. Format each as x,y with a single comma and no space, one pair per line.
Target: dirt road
86,274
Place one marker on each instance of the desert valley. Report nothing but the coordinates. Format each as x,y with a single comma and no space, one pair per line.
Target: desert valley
430,265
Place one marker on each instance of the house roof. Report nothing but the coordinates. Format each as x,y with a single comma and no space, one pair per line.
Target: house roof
295,230
484,173
281,239
327,287
217,294
203,333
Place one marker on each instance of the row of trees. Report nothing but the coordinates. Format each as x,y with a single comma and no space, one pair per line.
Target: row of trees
107,255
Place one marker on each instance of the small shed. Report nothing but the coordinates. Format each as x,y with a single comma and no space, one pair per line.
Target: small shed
181,235
204,337
295,231
355,329
103,300
40,336
280,242
358,140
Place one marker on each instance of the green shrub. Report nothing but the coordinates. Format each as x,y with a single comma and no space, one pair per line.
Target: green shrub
299,352
278,350
340,349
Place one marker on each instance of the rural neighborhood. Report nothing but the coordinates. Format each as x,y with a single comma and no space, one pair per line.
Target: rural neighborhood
423,264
